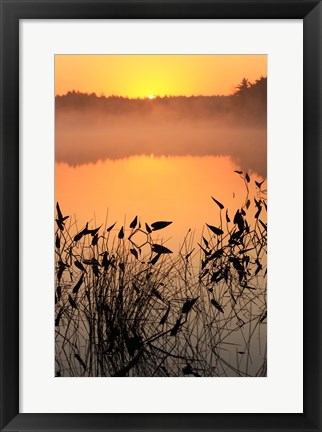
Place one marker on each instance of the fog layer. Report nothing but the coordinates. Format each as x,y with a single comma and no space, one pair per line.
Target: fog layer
89,129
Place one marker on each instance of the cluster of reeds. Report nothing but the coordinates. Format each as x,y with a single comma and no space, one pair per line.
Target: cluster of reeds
127,306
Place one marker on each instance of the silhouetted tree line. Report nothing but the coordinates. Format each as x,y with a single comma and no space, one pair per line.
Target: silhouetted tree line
248,104
250,99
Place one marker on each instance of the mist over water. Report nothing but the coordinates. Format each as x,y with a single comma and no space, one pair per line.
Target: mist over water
201,126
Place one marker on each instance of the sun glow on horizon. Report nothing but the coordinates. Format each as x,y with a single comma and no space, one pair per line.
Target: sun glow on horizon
134,76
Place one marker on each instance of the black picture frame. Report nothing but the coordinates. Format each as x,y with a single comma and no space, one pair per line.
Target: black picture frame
11,12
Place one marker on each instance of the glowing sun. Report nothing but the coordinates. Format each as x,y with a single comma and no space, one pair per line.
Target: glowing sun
151,97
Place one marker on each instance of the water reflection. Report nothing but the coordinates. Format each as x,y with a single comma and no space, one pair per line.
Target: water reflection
177,189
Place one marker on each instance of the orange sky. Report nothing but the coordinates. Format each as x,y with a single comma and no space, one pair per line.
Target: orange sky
144,75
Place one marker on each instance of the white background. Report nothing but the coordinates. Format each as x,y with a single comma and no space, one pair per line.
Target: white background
282,390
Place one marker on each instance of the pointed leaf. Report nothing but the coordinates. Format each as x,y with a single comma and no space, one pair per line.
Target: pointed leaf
259,184
218,203
215,230
217,305
206,242
187,306
176,327
227,217
111,227
134,222
59,213
160,249
79,236
78,285
155,259
72,302
95,240
156,293
121,233
165,316
159,225
80,266
134,252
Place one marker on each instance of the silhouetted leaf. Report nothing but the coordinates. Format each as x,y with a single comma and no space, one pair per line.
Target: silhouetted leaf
57,241
165,316
95,240
218,203
247,177
134,222
134,252
133,344
156,293
238,219
80,266
259,184
227,217
155,259
58,317
59,213
216,276
121,233
259,268
77,357
188,305
111,227
263,317
207,253
60,224
122,266
58,292
79,236
247,204
206,242
239,172
237,264
263,224
148,228
216,254
176,327
187,370
215,230
258,212
243,251
72,302
159,225
160,249
217,305
104,259
94,231
188,255
78,285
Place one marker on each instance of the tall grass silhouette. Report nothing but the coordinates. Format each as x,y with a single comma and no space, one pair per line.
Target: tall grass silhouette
126,305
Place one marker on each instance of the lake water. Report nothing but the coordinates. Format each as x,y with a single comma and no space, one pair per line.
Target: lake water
176,189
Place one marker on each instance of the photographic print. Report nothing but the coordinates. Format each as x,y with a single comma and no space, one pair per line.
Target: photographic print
160,216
